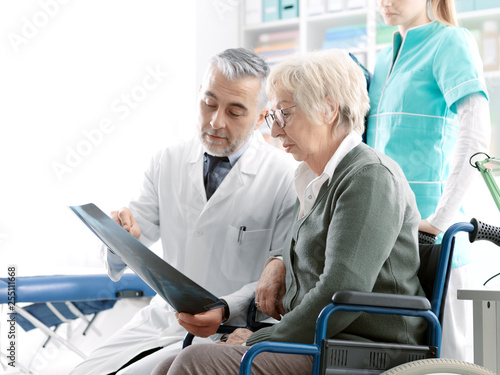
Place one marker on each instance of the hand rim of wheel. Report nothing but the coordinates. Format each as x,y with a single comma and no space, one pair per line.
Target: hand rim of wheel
438,365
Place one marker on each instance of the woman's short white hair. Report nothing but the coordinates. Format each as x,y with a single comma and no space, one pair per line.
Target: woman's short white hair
316,79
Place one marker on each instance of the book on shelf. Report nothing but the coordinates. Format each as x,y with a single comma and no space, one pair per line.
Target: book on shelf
277,45
278,36
346,37
269,47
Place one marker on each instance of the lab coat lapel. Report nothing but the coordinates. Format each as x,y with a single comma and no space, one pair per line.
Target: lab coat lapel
244,169
195,170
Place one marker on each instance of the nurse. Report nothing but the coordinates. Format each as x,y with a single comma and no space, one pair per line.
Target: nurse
429,112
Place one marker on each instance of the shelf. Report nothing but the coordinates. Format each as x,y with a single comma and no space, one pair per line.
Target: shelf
318,25
492,76
475,19
349,17
278,25
313,28
380,47
355,51
479,14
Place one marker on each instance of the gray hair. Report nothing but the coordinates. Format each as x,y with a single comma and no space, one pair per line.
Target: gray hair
315,78
237,63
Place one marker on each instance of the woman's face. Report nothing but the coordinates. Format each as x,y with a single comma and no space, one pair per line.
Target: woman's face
302,138
404,13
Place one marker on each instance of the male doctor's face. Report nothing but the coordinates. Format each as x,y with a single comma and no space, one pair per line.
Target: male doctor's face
228,112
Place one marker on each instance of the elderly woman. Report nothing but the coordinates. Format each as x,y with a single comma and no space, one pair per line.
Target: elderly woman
355,229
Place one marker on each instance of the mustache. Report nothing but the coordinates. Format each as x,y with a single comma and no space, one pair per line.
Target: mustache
216,133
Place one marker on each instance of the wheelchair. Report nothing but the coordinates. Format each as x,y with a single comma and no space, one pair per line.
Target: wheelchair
335,357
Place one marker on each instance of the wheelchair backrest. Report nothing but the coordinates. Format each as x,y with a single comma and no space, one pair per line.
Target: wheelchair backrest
428,272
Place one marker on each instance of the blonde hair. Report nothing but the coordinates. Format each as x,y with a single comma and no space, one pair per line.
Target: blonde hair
316,79
444,11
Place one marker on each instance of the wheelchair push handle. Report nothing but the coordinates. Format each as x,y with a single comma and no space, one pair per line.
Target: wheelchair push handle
426,238
483,231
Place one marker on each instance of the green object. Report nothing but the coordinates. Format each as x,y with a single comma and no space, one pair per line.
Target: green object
289,9
271,10
410,119
466,5
487,174
486,4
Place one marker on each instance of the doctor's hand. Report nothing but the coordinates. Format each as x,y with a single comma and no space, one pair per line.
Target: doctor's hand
203,324
425,226
127,221
271,288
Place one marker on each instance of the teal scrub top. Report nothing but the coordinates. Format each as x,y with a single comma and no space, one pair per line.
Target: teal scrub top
414,92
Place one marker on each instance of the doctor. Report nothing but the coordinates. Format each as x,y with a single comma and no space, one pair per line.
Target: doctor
221,204
429,112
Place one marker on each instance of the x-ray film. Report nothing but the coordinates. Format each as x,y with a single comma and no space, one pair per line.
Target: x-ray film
182,293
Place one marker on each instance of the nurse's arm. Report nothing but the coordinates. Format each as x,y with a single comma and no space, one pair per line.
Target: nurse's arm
425,226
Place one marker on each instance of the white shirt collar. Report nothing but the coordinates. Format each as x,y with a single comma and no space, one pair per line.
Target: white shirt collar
308,184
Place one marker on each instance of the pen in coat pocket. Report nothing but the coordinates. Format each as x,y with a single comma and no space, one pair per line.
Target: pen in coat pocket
240,233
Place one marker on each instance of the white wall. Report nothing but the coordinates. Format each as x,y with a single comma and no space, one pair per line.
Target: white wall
216,30
88,91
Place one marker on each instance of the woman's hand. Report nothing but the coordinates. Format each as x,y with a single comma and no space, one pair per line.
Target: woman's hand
238,337
270,289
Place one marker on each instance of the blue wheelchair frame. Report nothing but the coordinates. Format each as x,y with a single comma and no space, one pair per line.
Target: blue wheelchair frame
353,301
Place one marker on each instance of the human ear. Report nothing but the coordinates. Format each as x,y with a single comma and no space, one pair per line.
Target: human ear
261,118
331,110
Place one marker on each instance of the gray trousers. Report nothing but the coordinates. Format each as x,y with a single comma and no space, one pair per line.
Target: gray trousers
221,359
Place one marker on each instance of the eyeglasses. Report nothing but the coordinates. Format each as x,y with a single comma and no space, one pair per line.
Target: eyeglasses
277,116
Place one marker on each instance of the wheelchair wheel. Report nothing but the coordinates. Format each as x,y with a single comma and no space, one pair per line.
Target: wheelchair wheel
438,366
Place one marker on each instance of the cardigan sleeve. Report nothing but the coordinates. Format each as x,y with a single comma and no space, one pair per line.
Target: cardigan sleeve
368,215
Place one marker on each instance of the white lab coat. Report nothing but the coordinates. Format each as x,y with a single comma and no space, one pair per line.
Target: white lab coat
200,238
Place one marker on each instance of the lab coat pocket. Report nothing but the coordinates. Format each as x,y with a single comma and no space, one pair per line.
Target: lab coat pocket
245,253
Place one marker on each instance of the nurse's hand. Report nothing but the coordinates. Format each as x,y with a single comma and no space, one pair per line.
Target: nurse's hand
126,220
203,324
424,226
271,288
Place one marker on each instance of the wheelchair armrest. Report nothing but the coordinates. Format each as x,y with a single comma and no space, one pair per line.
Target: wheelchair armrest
276,347
381,300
